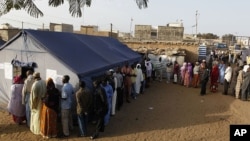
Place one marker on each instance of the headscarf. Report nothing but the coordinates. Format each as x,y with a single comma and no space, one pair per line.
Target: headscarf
50,84
17,80
138,66
190,68
183,69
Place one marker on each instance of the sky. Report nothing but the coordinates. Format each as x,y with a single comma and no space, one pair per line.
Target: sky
219,17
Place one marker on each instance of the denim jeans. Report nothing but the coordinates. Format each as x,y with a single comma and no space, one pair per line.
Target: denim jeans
27,108
133,93
82,124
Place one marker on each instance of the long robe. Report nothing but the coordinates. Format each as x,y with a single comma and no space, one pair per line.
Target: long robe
38,91
183,71
222,69
15,106
138,80
238,84
109,92
214,78
196,78
245,85
233,82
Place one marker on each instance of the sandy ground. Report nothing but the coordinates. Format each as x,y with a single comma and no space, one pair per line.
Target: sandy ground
166,112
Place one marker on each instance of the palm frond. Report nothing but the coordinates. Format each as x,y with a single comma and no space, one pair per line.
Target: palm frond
3,8
75,7
55,3
142,3
32,9
88,3
7,5
16,2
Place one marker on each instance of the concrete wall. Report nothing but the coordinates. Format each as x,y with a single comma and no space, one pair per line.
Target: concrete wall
167,33
61,27
93,30
89,30
163,33
143,31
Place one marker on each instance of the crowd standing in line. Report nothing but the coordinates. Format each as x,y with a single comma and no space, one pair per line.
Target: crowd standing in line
42,105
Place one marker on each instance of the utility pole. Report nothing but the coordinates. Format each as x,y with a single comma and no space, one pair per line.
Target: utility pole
130,31
196,23
111,26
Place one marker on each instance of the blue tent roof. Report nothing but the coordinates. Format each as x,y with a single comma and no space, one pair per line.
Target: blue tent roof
84,54
2,42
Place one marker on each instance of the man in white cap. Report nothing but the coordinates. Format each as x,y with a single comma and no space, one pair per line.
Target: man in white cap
38,92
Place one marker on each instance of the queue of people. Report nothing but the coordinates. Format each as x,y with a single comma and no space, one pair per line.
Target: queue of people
43,106
48,111
235,77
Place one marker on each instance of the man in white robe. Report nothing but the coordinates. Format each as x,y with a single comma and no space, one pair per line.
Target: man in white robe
38,91
139,79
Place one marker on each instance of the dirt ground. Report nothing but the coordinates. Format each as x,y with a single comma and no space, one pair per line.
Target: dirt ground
166,112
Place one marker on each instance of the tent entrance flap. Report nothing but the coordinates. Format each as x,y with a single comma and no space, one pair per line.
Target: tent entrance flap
20,68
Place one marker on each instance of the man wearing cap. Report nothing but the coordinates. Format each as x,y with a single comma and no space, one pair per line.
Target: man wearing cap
114,97
38,91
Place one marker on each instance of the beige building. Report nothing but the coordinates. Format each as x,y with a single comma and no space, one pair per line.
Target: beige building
93,30
170,32
61,27
7,32
143,32
167,33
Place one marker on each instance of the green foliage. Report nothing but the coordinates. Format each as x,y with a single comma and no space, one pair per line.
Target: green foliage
75,6
207,36
230,39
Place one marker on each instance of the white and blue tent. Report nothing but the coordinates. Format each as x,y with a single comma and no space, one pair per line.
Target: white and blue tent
55,54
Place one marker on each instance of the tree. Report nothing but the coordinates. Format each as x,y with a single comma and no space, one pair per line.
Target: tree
230,39
207,36
75,6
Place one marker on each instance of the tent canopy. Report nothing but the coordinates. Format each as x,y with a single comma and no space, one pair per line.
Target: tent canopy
85,55
1,42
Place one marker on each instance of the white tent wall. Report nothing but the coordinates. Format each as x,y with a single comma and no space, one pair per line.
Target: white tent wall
31,51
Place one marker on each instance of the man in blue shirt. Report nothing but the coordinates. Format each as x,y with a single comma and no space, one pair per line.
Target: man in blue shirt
66,103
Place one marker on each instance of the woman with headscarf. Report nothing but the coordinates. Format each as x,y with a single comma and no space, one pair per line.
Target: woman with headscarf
188,73
139,79
50,110
15,106
183,71
214,78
